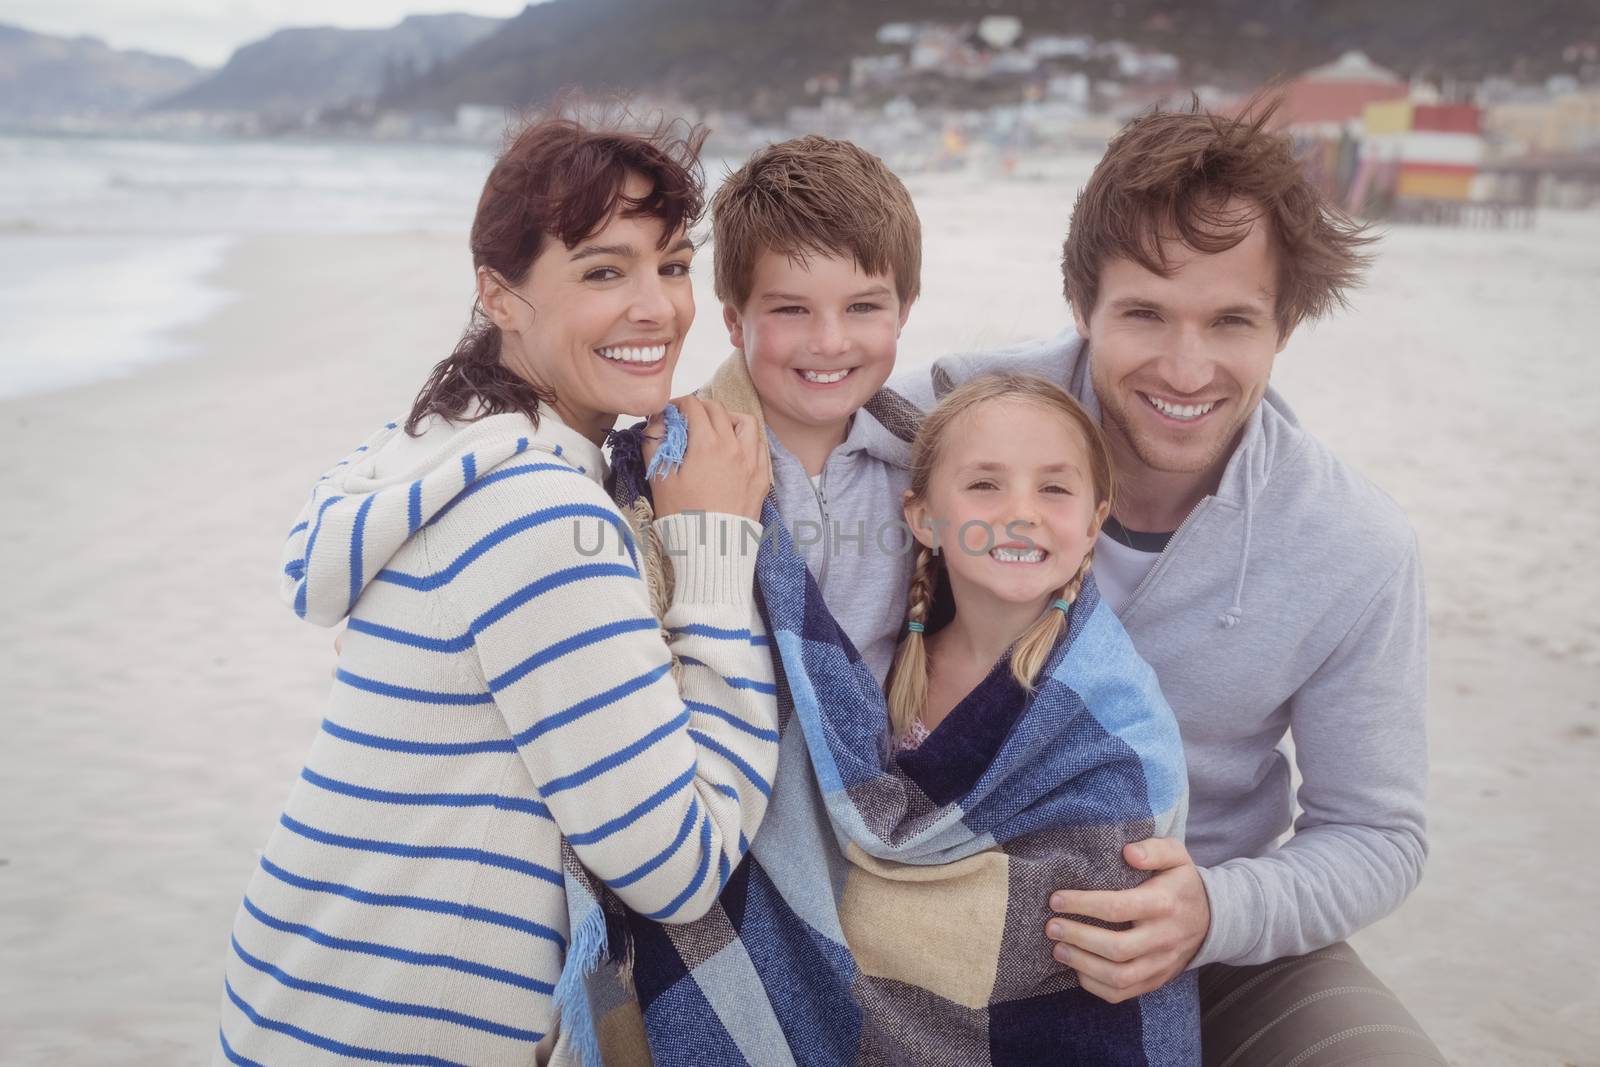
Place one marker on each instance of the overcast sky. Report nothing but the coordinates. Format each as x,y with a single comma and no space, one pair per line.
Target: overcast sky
207,31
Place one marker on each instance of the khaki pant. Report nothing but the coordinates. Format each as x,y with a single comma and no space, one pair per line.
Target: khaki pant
1324,1009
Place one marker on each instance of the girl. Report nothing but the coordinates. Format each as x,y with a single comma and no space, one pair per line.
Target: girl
1010,483
893,908
506,718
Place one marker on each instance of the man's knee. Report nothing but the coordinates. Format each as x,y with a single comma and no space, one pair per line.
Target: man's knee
1324,1009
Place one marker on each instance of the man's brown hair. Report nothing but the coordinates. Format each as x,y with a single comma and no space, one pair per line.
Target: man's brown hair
815,196
1171,175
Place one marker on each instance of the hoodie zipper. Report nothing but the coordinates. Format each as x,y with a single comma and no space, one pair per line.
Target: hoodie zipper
822,506
1172,541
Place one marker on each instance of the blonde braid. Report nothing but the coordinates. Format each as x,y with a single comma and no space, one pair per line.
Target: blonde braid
908,676
1033,647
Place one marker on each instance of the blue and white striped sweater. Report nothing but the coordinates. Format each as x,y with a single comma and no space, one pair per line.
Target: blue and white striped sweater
503,689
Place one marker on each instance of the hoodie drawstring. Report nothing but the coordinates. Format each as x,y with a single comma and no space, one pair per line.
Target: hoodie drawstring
1235,612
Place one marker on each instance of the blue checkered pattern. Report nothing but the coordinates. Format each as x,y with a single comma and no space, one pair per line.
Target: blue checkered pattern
834,942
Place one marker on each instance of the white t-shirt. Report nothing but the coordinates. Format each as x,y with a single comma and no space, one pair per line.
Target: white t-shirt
1118,570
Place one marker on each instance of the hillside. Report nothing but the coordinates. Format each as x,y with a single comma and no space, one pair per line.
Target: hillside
758,56
44,75
305,67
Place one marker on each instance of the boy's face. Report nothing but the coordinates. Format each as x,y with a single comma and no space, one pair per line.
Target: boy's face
1179,362
818,335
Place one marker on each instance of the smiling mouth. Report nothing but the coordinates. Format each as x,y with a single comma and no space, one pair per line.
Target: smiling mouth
1018,555
826,377
1180,412
639,354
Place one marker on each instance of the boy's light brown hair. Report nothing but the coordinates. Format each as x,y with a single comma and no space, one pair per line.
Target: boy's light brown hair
1171,174
815,196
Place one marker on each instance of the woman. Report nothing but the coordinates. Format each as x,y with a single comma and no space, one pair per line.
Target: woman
507,711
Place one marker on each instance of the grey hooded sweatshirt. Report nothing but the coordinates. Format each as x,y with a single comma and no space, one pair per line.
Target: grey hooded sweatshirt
847,524
1288,604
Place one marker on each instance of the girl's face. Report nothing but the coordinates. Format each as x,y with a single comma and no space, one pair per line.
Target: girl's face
1010,503
600,325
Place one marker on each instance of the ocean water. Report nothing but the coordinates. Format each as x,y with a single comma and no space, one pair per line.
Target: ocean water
109,245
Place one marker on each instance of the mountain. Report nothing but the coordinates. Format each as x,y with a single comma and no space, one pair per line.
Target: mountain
306,67
733,53
42,75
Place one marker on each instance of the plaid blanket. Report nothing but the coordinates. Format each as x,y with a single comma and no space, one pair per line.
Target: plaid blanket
892,908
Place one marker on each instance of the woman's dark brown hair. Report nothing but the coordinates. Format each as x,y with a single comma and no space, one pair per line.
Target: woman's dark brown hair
556,179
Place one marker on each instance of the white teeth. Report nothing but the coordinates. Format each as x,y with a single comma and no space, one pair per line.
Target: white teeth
651,354
1018,555
824,377
1180,411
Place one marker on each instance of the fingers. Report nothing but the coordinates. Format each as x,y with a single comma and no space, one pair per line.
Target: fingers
721,422
747,440
1156,854
1118,946
1116,982
1112,905
693,410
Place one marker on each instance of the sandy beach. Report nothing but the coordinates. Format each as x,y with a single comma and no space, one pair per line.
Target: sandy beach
159,700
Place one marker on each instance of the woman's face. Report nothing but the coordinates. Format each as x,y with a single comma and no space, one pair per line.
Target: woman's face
603,323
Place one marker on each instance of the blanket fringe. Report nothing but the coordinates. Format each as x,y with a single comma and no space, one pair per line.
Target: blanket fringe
585,953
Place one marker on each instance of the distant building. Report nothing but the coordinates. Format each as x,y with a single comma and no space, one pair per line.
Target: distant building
1568,122
1051,46
870,71
481,121
999,32
822,85
1432,150
897,33
948,51
1334,97
1140,64
1072,89
1013,63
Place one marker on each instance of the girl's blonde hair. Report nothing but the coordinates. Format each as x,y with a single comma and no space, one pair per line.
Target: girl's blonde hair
908,677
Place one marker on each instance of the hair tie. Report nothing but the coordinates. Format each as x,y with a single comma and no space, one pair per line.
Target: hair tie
1064,605
914,627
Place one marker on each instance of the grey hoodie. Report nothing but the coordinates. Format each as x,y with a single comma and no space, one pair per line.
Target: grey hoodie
849,527
1290,602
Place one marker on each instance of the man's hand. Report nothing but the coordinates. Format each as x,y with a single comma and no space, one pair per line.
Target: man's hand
1170,916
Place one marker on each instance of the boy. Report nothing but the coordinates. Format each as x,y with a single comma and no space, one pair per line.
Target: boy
814,953
818,254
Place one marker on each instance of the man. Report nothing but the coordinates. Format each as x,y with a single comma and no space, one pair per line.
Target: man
1275,591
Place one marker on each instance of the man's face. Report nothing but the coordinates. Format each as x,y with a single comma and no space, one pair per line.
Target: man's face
1179,362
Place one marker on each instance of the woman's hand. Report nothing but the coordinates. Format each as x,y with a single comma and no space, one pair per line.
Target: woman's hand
723,468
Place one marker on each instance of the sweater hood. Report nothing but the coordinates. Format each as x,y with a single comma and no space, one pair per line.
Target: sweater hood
370,503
